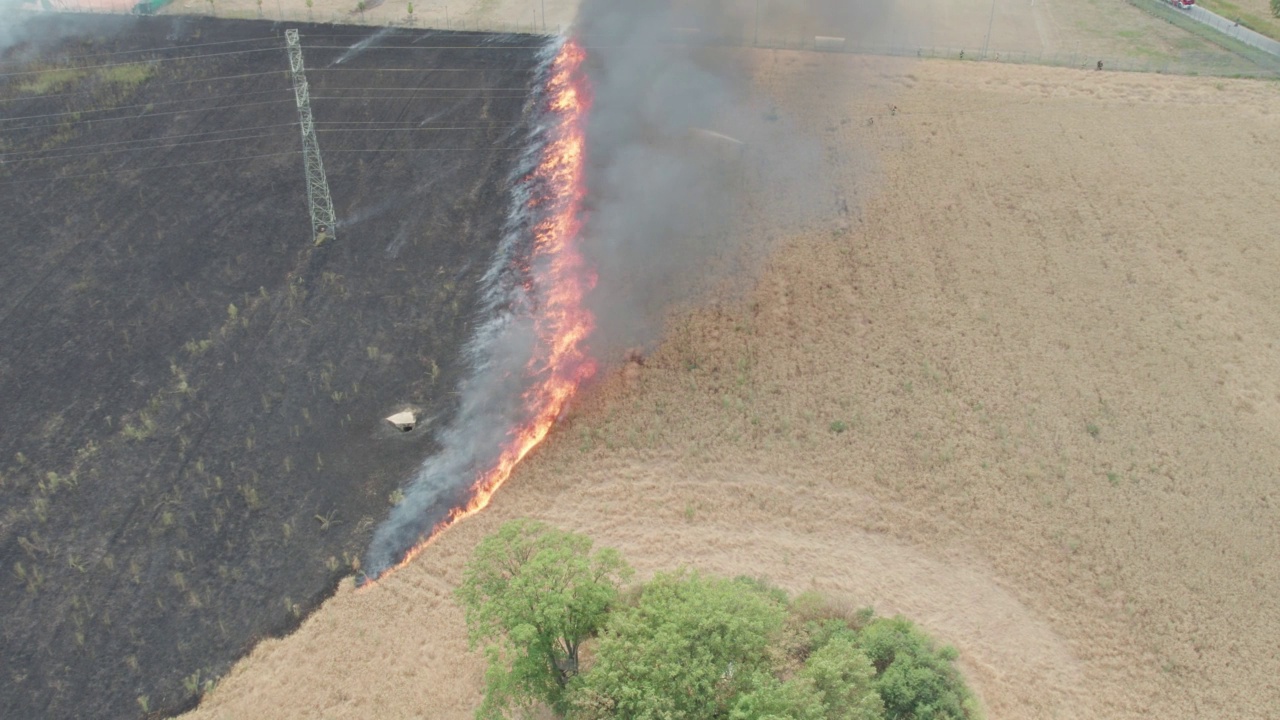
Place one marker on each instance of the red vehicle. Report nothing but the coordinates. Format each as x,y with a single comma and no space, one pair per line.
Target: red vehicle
1184,4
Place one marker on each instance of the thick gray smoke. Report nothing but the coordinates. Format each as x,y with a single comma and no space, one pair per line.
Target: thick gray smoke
683,163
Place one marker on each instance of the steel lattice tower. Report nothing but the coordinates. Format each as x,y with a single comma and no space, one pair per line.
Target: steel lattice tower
318,200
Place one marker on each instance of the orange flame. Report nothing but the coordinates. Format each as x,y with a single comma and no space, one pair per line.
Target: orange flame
562,278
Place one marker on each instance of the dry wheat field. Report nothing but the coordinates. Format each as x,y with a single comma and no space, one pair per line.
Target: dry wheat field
1027,393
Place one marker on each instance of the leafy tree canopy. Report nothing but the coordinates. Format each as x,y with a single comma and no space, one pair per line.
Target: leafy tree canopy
535,594
844,680
686,649
685,646
914,679
772,699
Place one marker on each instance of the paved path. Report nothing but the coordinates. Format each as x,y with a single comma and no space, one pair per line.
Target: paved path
1239,32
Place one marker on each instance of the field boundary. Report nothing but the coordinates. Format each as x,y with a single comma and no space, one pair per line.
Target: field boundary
1209,32
1263,24
1071,59
1265,65
1235,30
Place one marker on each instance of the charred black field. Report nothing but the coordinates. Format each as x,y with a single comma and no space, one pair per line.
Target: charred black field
192,390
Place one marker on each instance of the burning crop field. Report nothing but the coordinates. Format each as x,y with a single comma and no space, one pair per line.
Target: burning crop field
883,328
210,455
622,210
530,355
195,449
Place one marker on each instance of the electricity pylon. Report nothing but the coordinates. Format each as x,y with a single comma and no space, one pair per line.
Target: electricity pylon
318,200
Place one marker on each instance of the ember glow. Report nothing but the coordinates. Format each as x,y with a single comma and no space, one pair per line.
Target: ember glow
556,280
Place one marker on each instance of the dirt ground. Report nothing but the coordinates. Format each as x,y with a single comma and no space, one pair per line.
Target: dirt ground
1049,339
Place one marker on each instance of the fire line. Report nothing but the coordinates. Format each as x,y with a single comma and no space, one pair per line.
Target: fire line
560,279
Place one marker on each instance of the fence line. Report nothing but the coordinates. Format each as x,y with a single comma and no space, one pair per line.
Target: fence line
1235,30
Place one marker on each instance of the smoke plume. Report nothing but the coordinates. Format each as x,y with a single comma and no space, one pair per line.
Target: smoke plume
689,175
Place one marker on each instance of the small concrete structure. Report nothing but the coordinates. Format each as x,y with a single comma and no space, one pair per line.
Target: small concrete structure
404,421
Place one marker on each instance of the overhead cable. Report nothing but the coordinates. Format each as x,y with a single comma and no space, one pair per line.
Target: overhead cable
148,169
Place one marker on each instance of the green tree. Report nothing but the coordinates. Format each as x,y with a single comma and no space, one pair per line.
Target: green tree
688,648
796,699
915,680
1275,8
843,678
535,593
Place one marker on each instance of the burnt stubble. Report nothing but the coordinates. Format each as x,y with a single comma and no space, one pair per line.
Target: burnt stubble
192,445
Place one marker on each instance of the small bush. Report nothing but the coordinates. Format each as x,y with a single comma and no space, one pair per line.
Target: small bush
127,76
50,81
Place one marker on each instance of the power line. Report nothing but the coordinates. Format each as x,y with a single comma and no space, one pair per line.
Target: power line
261,74
147,169
140,62
424,47
438,87
416,70
443,149
144,147
149,86
413,97
242,52
372,46
149,139
6,163
357,41
151,115
423,34
159,49
412,129
246,94
250,157
143,105
277,39
399,122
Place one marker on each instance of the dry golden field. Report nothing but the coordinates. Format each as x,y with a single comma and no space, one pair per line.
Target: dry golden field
1050,331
